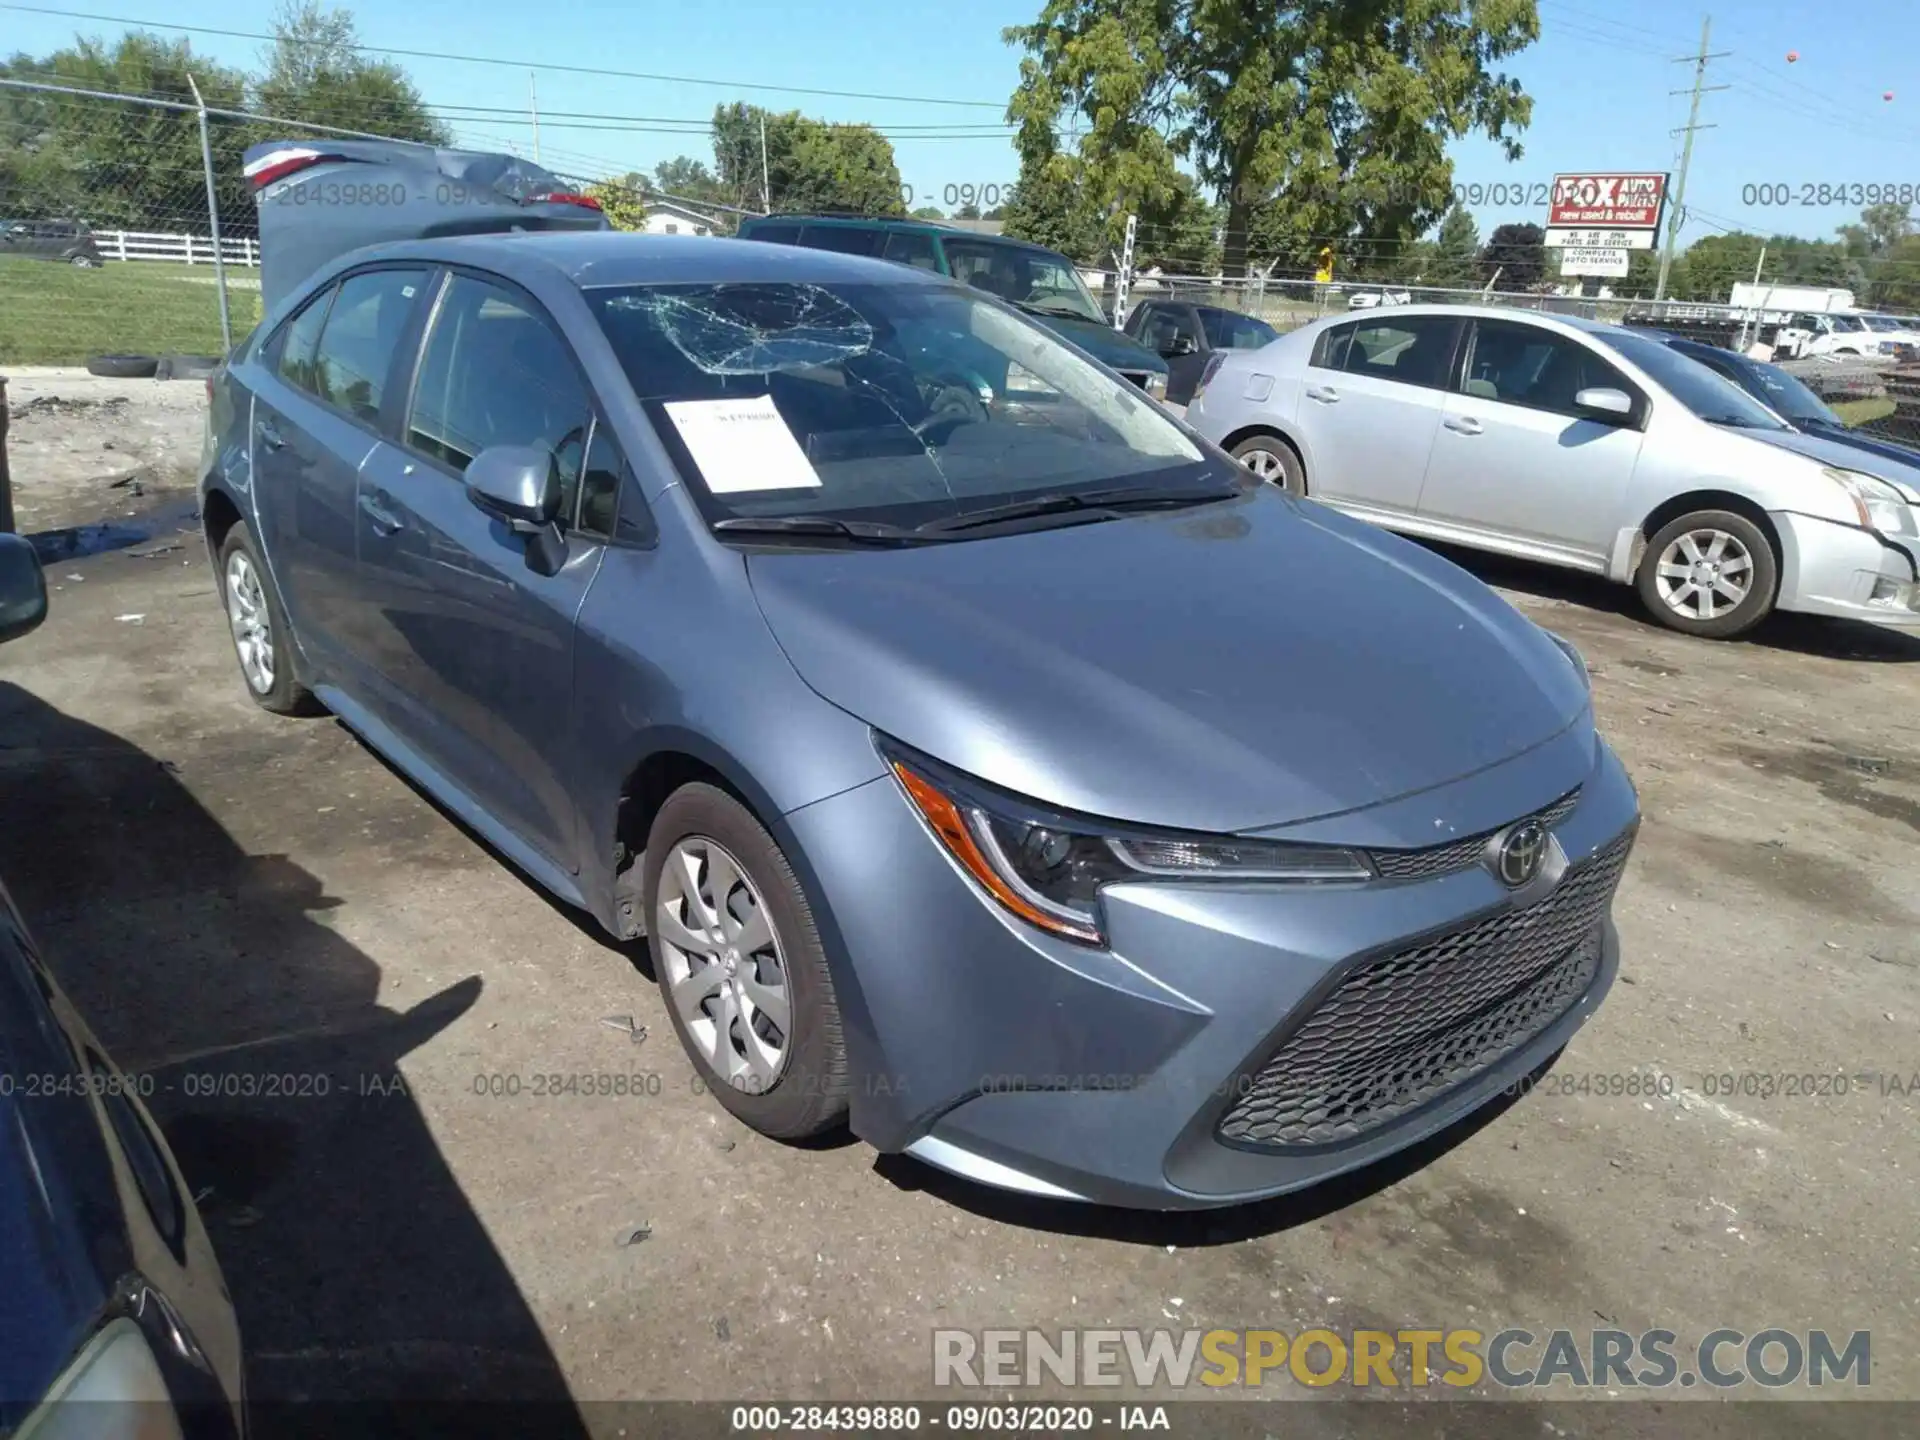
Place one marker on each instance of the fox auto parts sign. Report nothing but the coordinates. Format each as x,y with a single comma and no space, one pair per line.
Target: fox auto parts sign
1626,206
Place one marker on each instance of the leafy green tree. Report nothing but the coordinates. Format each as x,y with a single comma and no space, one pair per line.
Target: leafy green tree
1050,207
1896,284
317,72
929,212
623,199
1516,253
1715,264
1312,120
1880,228
810,165
1450,261
685,178
118,165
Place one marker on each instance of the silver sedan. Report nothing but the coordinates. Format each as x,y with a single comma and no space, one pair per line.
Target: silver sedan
1578,444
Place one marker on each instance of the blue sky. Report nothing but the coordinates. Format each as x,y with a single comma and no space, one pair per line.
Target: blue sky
1600,78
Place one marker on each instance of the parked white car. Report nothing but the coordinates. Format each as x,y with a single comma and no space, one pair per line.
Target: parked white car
1575,443
1374,299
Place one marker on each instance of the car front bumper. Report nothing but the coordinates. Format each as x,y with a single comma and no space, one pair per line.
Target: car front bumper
1140,1074
1827,568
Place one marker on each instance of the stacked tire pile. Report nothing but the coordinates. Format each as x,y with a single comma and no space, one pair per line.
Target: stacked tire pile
1903,425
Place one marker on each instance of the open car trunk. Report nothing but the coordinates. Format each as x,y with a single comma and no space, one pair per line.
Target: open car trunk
319,199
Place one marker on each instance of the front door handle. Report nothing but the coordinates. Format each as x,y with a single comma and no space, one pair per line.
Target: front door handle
270,435
1325,394
384,520
1462,424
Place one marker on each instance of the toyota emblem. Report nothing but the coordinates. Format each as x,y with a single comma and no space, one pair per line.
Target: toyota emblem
1519,855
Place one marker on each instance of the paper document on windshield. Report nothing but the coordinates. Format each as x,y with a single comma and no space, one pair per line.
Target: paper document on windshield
742,445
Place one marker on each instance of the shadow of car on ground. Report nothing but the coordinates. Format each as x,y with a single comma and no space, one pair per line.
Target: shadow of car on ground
360,1272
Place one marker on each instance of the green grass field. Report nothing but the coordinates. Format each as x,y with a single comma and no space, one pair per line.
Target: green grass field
56,315
1864,412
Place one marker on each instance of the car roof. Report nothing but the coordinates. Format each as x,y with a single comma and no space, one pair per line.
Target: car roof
1544,318
591,258
897,222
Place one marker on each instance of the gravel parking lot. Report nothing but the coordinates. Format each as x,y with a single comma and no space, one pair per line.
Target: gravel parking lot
334,986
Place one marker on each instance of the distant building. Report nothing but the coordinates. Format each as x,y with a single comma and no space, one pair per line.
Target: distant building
664,217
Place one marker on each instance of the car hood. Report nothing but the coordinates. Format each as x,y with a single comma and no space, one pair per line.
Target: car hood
1109,346
1890,462
1250,664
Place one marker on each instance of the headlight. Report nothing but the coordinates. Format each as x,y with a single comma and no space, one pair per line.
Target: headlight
1879,504
116,1367
1568,649
1049,869
1157,386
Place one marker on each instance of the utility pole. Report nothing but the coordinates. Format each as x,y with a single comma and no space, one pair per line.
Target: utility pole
1753,314
766,190
1679,202
533,108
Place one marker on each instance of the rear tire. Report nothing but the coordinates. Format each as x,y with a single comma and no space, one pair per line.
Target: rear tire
1273,460
262,640
1712,573
741,968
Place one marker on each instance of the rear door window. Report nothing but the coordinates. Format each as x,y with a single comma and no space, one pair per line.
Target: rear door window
361,334
1413,349
775,234
846,239
495,372
911,247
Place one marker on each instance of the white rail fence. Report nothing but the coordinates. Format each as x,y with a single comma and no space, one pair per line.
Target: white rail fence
178,248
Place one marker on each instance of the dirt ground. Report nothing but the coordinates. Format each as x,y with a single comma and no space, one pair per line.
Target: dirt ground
251,903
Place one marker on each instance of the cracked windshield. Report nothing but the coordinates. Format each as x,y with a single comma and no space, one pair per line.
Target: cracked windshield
894,403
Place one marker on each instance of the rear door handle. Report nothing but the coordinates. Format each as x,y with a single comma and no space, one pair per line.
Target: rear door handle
384,520
270,435
1325,394
1462,424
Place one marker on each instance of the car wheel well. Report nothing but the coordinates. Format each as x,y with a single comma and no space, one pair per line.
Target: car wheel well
218,515
645,790
1671,510
1250,432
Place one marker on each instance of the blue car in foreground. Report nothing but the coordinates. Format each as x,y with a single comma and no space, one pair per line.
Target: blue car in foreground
989,762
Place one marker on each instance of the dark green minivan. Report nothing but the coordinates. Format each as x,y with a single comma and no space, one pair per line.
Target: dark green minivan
1033,279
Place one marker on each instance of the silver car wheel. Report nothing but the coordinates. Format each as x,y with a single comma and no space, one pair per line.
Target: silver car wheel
252,626
725,969
1266,465
1704,574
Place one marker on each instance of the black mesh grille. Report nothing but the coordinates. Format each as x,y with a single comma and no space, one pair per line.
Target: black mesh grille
1401,1029
1459,854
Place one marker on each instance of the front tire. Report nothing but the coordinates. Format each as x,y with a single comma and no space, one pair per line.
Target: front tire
741,968
1274,461
262,639
1712,573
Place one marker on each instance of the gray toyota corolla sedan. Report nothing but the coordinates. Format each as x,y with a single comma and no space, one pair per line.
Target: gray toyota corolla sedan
992,764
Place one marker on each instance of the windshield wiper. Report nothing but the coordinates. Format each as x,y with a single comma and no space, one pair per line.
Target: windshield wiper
1105,504
867,532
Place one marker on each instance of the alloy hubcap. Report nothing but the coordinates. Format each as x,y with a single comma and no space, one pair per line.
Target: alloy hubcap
1265,464
252,630
1704,574
726,972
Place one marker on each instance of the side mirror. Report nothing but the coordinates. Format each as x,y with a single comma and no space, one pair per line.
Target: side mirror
1180,345
1604,403
23,589
515,483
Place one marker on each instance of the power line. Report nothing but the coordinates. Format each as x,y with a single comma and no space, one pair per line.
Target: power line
516,64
